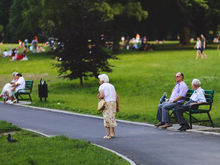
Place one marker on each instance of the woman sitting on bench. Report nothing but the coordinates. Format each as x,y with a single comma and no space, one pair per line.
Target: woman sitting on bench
18,85
6,91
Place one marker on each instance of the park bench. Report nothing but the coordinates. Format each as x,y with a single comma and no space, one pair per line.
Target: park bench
200,109
27,91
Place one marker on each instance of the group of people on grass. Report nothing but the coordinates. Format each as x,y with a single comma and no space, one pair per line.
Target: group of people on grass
10,89
137,43
200,46
176,102
15,55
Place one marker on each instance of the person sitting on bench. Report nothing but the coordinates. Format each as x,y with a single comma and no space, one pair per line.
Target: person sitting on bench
18,85
6,91
198,97
177,98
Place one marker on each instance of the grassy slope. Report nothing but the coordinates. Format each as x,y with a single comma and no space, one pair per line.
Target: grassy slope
139,77
37,150
7,127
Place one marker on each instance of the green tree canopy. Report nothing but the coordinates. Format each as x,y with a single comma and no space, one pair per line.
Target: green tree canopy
121,18
4,17
78,27
24,19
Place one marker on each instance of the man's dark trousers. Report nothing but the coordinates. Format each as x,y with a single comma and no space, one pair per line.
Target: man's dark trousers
179,112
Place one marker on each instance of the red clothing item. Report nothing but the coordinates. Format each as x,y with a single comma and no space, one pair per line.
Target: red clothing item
19,57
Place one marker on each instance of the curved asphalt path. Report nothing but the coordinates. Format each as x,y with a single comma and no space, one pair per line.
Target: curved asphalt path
143,144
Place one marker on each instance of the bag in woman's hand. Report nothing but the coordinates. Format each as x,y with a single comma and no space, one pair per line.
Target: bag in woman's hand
101,104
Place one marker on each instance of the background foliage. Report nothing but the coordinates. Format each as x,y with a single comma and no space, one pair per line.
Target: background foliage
166,19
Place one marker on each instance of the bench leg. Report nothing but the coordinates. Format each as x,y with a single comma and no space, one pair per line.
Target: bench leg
190,120
210,120
16,95
30,97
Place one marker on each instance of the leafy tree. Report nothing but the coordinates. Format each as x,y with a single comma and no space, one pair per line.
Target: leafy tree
190,9
161,23
122,16
78,26
213,16
4,17
170,18
24,19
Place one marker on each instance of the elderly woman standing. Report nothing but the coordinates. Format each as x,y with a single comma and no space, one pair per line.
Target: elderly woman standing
108,93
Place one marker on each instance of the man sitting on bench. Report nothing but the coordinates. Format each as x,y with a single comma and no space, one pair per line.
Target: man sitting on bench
198,97
177,98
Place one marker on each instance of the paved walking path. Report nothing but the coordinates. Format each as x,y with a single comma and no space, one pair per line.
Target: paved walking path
143,144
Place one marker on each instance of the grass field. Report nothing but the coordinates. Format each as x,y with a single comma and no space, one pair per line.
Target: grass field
140,79
32,149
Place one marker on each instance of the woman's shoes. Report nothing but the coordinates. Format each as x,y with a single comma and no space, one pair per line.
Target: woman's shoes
113,136
11,102
107,137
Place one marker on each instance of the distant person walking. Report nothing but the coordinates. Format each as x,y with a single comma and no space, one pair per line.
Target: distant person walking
26,43
198,48
203,46
108,93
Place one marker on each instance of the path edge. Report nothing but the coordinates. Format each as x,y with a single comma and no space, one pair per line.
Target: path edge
105,148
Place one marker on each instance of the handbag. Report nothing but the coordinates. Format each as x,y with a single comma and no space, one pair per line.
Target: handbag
101,104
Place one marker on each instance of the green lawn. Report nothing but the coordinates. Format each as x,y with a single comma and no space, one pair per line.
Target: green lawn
140,79
32,149
7,127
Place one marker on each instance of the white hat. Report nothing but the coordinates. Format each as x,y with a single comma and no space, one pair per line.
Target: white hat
14,73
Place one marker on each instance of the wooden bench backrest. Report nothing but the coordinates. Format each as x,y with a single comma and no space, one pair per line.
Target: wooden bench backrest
29,84
209,94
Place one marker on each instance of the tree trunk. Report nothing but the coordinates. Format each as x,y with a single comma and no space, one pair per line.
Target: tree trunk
116,39
116,45
185,36
81,82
